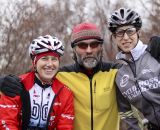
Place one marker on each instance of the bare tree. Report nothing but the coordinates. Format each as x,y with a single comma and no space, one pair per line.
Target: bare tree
152,9
17,30
28,19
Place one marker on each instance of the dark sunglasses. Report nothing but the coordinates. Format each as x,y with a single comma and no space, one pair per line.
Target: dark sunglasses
128,31
83,45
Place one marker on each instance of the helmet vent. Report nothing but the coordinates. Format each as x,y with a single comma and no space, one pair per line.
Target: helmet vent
130,16
122,13
122,17
128,10
46,43
115,18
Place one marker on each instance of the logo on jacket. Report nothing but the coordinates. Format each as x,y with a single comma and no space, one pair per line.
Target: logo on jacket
35,94
144,71
124,80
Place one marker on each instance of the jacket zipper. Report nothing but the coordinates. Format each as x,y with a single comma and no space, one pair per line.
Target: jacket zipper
94,87
91,98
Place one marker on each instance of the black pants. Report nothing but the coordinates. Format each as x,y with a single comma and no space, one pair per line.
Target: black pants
153,127
35,128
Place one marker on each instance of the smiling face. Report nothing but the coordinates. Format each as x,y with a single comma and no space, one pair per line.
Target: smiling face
47,67
126,38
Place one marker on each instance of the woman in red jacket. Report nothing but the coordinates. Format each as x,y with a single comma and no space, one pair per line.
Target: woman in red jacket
45,103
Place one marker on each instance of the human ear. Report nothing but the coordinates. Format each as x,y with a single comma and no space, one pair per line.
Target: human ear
139,32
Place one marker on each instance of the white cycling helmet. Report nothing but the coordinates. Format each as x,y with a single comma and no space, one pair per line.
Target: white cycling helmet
123,17
46,43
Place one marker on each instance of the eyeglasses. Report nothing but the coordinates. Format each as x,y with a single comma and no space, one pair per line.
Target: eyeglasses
128,31
83,45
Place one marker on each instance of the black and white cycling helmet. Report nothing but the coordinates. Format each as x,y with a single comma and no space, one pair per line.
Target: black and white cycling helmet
46,43
124,16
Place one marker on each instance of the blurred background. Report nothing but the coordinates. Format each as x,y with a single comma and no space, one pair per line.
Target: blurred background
23,20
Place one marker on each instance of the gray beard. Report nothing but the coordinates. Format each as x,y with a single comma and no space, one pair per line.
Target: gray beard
89,63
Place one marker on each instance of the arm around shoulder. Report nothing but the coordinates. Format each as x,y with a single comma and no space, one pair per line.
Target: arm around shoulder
11,85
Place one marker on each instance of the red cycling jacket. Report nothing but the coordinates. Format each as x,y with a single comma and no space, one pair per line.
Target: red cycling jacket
15,113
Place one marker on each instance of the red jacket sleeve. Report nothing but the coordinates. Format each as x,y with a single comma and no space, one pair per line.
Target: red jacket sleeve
67,116
10,112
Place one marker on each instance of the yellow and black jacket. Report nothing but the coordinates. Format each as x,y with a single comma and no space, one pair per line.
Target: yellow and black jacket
94,96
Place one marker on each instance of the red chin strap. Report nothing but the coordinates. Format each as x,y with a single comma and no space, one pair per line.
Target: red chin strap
37,57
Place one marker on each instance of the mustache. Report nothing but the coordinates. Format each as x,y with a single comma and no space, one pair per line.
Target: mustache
88,57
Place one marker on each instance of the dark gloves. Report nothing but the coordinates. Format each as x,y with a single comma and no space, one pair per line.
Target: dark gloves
154,47
11,85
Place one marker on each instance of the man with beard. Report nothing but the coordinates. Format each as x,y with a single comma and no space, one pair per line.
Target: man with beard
90,79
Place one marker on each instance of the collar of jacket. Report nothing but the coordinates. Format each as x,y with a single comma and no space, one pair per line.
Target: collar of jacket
101,66
135,52
82,69
36,80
